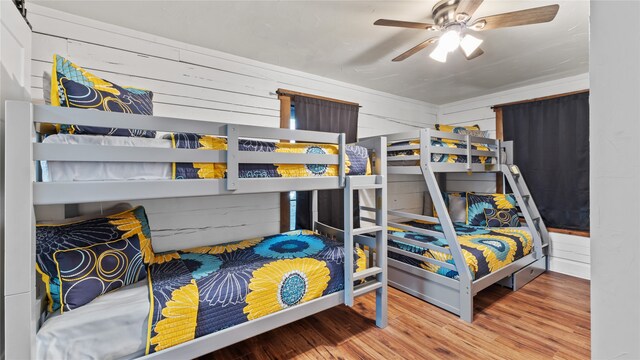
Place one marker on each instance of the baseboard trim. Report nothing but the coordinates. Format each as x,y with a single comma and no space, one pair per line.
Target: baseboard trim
569,267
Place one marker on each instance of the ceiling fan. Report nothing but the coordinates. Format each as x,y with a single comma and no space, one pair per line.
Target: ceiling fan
453,18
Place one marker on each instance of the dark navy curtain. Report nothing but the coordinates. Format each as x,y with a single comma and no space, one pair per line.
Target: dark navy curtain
551,148
327,116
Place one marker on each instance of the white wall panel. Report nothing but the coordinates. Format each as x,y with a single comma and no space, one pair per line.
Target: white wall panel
615,175
198,83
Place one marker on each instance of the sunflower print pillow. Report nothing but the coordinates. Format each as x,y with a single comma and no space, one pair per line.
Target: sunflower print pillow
456,129
73,86
502,218
51,238
88,272
477,203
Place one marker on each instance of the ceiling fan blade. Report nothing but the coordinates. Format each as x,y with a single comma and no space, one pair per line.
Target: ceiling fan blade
473,55
468,7
403,24
523,17
415,49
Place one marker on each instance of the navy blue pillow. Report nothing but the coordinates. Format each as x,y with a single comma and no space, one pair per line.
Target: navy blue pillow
53,238
502,218
88,272
116,99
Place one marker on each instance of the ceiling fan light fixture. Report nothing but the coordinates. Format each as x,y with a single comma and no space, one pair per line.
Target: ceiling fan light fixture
453,18
439,54
450,40
470,44
478,25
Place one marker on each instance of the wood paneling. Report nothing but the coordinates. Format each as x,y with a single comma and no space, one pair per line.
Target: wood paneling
193,82
548,318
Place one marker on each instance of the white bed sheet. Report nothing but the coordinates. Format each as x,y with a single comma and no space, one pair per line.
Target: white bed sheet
95,171
113,326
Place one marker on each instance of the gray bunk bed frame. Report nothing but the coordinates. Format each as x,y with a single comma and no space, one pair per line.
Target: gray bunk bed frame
24,301
450,294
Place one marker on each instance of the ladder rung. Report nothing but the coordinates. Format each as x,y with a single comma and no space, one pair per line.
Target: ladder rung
366,287
526,197
364,187
366,230
366,273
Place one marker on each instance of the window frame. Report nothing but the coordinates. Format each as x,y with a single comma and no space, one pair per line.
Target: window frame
286,99
500,136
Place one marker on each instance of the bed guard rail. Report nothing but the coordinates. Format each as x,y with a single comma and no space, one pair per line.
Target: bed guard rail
437,148
22,118
420,244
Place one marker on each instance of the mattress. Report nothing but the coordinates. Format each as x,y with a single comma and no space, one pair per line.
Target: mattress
236,282
240,282
485,249
357,160
90,171
113,326
445,158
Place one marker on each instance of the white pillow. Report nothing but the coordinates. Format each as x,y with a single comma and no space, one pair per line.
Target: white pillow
46,87
457,206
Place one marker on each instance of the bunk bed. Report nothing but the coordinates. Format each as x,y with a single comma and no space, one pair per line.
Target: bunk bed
25,303
443,262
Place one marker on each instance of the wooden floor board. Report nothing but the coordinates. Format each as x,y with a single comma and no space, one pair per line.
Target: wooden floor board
549,318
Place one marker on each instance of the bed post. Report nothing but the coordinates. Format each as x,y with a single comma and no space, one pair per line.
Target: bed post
314,208
348,243
22,309
381,236
464,274
232,157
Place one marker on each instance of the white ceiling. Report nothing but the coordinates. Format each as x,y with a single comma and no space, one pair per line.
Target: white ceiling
336,39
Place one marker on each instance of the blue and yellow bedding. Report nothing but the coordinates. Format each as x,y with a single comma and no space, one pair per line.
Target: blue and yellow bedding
446,158
199,291
357,159
485,249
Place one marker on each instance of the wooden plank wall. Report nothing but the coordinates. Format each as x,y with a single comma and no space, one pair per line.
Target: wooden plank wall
193,82
569,254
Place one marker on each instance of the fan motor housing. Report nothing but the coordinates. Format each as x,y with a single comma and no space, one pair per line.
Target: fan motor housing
444,12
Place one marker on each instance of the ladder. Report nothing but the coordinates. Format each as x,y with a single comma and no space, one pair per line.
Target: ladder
359,283
527,206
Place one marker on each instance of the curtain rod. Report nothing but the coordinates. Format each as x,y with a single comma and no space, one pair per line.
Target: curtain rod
290,93
540,98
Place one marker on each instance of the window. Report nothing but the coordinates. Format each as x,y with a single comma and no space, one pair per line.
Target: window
316,113
551,147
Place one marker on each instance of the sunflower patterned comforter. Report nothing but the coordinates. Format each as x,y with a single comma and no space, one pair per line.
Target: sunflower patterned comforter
357,159
446,158
199,291
485,249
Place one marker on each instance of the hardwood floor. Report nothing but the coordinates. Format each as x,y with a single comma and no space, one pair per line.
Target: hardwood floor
548,318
